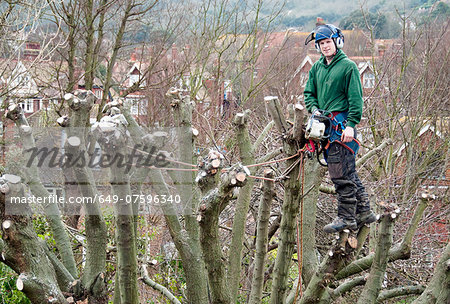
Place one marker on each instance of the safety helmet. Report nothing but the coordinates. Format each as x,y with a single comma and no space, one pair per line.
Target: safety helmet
326,31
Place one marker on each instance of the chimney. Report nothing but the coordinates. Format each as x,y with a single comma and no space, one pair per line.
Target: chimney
319,21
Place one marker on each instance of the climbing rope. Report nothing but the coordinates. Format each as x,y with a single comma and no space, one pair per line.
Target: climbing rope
284,174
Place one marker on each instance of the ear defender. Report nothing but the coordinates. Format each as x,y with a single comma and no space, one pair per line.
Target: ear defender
340,39
316,44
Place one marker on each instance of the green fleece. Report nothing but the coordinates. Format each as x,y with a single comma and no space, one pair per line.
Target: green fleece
335,87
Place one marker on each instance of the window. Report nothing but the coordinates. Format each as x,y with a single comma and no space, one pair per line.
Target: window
138,107
369,80
98,93
27,106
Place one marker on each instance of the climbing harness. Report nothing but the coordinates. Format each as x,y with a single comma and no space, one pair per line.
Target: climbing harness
324,128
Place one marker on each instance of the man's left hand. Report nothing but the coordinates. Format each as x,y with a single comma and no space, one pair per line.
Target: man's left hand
348,134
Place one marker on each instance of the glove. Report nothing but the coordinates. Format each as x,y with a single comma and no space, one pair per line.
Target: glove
316,112
348,134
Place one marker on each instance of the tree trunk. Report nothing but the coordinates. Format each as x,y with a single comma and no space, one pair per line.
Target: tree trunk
378,269
262,239
186,240
115,145
22,250
96,234
242,205
290,207
51,210
216,194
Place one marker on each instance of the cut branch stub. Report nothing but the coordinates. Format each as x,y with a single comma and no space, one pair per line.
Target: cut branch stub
174,93
208,168
241,176
175,97
80,99
299,113
274,107
241,119
215,163
63,121
26,130
11,178
426,196
14,112
113,104
6,224
353,242
236,176
19,284
111,131
74,141
4,188
391,210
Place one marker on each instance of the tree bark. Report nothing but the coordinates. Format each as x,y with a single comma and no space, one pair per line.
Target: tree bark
216,194
51,210
262,239
163,290
115,145
96,234
340,254
23,252
378,269
242,205
399,291
289,209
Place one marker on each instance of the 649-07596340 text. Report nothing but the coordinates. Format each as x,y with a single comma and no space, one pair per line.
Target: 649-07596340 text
155,200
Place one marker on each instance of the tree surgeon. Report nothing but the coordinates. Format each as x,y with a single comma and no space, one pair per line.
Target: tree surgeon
334,91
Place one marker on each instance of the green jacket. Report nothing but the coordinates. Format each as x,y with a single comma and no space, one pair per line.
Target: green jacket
335,87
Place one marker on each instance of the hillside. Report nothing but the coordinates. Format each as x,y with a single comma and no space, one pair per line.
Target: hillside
303,13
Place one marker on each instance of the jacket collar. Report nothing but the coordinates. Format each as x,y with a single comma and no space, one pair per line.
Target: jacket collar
339,56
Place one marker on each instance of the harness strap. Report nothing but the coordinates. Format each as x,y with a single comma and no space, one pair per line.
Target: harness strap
338,121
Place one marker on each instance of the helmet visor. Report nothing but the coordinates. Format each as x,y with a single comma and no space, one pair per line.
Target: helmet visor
310,37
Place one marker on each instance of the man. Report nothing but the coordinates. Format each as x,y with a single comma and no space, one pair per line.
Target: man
334,86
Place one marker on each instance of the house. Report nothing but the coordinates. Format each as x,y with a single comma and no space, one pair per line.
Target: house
426,154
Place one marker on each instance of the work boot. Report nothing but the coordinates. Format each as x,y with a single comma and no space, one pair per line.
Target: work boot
365,218
340,224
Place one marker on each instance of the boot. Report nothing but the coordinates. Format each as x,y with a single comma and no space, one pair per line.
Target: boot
365,218
340,224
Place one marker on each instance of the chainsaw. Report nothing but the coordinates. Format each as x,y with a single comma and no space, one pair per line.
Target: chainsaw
318,127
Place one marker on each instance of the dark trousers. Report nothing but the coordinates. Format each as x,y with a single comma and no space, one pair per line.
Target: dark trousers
352,196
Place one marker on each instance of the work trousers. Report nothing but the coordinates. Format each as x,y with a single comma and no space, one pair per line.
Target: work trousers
351,194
